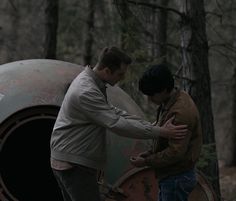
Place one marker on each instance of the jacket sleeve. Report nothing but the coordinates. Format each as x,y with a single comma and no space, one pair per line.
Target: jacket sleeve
93,105
176,149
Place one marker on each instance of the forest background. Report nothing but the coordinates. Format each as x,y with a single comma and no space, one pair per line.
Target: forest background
196,37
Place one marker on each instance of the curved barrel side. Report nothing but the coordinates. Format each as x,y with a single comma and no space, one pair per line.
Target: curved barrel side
140,184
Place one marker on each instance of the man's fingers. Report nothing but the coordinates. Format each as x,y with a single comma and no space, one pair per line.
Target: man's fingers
170,119
179,138
181,127
180,135
181,131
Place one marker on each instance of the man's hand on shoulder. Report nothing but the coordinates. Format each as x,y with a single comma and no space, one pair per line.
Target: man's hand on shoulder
169,130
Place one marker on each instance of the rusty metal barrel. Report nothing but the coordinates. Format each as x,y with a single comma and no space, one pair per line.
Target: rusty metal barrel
140,184
31,93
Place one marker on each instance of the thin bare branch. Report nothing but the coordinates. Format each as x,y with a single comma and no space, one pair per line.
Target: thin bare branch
224,55
219,6
216,32
215,14
184,78
13,5
154,6
225,82
227,46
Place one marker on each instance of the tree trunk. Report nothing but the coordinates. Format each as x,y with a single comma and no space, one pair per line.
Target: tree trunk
161,31
89,39
28,29
51,19
124,27
234,119
10,21
197,77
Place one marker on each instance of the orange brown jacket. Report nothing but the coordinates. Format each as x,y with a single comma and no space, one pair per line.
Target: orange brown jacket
172,157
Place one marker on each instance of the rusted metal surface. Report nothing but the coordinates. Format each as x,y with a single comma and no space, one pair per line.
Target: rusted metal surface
35,82
139,184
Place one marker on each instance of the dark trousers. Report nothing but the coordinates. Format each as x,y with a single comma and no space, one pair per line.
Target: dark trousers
78,184
177,188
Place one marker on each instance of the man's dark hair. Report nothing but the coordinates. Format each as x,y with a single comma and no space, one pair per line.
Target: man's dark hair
156,79
112,57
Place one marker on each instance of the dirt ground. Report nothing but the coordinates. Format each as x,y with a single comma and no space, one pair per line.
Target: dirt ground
228,183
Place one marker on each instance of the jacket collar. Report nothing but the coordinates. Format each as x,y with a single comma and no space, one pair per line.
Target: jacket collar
101,85
172,100
164,108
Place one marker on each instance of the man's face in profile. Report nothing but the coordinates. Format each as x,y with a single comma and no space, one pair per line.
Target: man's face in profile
159,98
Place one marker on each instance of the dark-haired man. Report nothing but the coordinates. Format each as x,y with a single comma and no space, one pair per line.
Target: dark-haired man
173,159
78,140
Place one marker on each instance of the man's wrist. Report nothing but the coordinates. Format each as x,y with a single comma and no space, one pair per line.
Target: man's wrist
157,131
